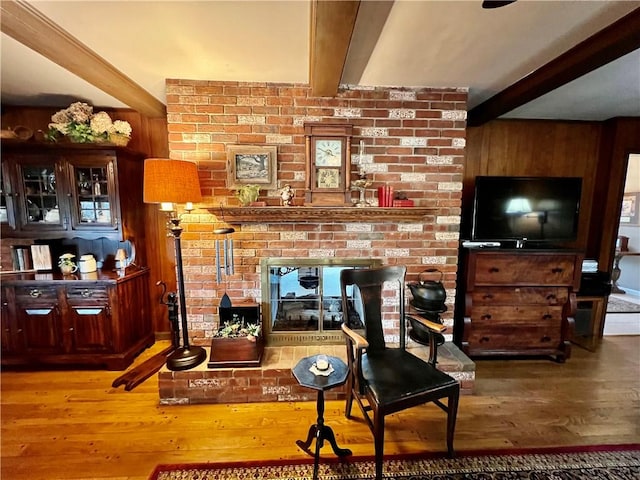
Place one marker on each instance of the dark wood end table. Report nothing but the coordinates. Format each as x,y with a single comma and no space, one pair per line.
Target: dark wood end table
319,430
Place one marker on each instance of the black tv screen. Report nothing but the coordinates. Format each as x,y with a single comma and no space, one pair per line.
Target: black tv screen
538,209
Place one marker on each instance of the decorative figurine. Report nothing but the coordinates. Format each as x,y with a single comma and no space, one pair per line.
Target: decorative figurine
286,195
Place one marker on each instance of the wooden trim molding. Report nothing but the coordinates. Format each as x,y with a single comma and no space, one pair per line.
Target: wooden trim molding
611,43
30,27
319,214
332,24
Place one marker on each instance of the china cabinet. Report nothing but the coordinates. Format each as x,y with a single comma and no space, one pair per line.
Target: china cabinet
70,190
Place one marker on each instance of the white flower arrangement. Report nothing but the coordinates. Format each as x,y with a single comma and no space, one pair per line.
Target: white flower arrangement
121,127
81,125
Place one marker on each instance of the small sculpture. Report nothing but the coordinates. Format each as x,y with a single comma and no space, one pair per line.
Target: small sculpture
286,195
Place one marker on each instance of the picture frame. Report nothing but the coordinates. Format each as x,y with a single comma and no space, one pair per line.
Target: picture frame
252,165
629,213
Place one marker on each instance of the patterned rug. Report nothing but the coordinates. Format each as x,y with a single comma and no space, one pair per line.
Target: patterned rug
616,305
605,463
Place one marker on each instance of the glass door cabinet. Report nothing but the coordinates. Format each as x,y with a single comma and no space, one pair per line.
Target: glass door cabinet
60,194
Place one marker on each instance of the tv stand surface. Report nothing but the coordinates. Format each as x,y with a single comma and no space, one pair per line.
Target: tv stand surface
520,302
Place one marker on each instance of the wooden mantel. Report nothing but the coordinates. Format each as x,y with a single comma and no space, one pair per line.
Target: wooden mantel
320,214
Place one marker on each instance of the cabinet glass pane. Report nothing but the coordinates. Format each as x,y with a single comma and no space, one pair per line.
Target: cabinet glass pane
41,198
92,189
3,200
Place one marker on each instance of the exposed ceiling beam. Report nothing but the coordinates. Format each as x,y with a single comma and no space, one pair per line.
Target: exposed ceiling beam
370,21
30,27
332,25
615,41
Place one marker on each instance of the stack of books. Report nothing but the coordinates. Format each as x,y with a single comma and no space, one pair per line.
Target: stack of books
21,256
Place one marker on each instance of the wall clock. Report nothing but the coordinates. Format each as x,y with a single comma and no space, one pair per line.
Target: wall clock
328,151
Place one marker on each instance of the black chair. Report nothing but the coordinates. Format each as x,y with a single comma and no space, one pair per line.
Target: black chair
386,380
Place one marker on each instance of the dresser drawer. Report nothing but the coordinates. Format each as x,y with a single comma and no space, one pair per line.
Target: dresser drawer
550,316
520,295
486,339
86,295
36,295
534,269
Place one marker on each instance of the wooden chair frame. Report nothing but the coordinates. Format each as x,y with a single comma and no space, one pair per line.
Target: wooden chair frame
370,283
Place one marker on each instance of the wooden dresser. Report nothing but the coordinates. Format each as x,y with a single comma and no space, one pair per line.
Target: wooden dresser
520,302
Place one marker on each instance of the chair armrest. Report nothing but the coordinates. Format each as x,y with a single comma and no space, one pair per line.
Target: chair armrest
434,327
358,340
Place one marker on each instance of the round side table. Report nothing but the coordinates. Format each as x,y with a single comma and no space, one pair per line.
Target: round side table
319,430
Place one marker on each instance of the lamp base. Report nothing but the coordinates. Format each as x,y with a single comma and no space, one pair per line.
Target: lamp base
184,358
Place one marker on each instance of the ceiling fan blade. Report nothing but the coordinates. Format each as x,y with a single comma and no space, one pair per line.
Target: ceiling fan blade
496,3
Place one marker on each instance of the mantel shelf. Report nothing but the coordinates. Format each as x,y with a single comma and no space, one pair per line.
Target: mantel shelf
320,214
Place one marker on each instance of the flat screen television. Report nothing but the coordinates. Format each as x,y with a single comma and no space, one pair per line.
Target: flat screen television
532,209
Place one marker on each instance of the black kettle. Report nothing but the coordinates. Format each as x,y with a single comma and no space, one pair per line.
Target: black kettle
428,294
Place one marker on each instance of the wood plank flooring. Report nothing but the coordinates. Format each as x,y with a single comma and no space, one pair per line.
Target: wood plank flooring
73,425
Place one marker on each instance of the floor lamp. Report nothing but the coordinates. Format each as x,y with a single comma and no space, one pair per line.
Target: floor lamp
169,182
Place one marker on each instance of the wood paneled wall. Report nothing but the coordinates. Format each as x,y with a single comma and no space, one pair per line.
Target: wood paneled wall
595,151
149,136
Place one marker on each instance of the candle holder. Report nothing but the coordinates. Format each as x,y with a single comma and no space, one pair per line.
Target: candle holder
361,186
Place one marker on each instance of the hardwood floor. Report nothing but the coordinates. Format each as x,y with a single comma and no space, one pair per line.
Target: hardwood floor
73,425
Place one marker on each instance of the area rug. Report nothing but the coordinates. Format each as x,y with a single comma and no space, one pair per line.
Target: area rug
616,305
607,463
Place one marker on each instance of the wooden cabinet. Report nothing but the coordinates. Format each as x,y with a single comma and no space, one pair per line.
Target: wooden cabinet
50,319
72,190
520,302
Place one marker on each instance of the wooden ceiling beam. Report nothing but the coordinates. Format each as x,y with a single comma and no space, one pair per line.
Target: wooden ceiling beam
332,24
30,27
615,41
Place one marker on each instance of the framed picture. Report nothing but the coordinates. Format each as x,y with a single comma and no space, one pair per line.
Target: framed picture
252,165
629,212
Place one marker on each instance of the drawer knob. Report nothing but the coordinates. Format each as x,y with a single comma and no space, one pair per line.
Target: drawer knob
484,339
487,296
35,293
547,316
545,339
557,270
551,296
494,270
486,316
86,293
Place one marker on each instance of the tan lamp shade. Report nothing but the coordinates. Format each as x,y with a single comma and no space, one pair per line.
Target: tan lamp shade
170,181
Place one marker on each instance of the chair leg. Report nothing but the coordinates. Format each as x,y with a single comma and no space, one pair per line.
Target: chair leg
349,402
378,440
452,412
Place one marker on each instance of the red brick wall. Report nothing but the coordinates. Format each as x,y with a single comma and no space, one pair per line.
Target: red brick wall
414,140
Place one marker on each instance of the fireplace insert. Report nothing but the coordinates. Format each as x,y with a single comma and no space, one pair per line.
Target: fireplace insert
301,300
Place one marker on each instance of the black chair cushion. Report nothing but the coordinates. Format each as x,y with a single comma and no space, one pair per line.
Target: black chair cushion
394,374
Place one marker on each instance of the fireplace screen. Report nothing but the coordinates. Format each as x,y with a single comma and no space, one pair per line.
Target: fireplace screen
303,303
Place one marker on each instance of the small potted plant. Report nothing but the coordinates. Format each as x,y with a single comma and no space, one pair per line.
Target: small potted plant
237,344
247,194
66,263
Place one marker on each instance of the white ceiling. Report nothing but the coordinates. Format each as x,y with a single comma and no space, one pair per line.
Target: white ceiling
421,43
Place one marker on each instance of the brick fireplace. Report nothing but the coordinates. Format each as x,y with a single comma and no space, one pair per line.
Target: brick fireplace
414,141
